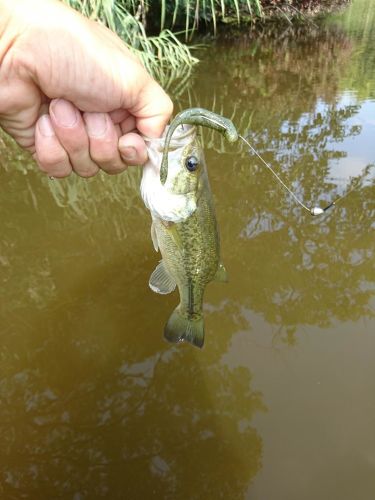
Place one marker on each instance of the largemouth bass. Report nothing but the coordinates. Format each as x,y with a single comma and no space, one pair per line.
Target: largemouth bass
175,188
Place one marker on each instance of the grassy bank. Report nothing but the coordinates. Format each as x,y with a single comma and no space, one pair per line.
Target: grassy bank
159,31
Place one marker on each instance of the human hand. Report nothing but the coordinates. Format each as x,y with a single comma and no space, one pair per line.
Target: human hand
71,93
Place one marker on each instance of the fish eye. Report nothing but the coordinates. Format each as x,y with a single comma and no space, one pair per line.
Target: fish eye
192,163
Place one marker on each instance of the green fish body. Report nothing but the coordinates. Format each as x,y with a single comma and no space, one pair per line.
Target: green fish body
184,229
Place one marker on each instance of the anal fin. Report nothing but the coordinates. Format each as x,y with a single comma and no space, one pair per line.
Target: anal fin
161,281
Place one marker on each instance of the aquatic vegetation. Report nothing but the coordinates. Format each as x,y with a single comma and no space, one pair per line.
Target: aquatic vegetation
191,14
359,19
152,29
263,70
167,58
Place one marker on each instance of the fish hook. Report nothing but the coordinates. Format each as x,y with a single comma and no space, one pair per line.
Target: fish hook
196,116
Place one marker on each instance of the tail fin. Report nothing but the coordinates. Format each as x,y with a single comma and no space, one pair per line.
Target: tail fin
180,329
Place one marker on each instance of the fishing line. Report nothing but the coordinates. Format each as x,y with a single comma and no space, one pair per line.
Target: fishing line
312,210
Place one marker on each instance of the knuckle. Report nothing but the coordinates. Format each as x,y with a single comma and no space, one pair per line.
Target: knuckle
74,140
115,170
103,156
169,106
84,166
48,160
60,174
58,171
87,173
75,148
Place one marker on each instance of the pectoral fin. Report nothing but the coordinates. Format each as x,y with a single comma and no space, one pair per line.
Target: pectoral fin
160,281
221,274
154,237
173,232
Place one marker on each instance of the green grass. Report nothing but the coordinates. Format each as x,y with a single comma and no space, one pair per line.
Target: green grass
164,54
191,13
172,24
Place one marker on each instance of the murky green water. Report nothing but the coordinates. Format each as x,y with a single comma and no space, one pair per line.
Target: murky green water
280,404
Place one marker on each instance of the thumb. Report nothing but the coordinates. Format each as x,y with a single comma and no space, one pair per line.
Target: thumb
153,110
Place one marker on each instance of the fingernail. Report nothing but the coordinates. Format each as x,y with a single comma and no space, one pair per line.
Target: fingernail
64,113
96,124
128,153
45,126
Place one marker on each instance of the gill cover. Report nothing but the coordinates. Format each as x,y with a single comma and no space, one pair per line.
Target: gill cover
196,116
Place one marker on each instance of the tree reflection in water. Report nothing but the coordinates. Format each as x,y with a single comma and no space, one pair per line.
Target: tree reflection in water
285,265
94,404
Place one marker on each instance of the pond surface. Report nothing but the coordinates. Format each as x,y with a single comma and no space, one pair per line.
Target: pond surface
280,403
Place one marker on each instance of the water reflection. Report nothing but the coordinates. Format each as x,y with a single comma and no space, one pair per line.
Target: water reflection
93,403
285,95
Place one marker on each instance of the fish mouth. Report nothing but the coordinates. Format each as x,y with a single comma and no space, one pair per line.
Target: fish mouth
181,133
196,116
